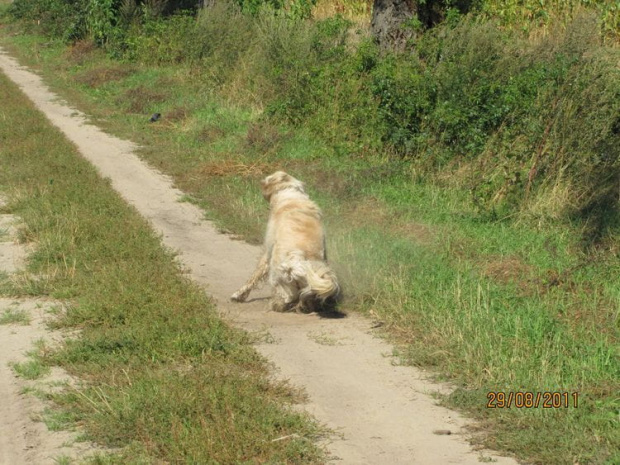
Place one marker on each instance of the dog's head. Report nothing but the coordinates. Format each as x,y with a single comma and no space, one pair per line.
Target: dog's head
279,181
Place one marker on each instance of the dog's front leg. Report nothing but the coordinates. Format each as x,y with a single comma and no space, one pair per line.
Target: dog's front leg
259,274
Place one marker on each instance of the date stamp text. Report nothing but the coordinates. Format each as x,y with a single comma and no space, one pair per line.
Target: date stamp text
522,399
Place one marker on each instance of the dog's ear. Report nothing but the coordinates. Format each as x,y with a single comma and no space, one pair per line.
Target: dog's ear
278,181
269,185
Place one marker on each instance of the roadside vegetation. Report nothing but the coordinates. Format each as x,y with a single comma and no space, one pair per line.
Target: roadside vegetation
471,182
161,378
13,317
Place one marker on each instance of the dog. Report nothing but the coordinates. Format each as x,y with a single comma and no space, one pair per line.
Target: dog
295,257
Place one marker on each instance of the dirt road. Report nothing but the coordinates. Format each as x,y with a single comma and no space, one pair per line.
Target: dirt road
383,413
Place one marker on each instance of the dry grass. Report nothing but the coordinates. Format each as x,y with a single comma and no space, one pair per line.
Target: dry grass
506,270
511,270
99,76
178,114
358,11
373,211
80,52
232,167
140,99
210,133
263,136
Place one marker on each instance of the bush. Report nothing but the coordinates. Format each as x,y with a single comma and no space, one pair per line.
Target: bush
161,40
64,19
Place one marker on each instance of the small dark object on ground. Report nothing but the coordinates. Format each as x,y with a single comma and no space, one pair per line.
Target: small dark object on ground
155,117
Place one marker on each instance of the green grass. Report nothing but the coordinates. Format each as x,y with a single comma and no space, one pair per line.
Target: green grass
162,378
31,369
58,420
63,460
490,304
12,316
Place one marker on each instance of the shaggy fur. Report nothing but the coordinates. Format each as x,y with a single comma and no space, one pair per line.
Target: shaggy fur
295,255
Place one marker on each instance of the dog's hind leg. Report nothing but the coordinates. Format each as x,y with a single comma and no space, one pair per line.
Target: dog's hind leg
284,295
259,275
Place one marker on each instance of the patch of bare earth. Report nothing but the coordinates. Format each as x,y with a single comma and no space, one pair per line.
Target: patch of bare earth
381,413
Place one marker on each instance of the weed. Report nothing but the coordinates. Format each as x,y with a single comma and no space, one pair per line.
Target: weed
13,316
80,52
210,133
32,369
178,114
63,460
263,136
57,420
231,167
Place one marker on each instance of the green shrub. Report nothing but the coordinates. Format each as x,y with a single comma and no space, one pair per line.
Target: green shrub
64,19
224,35
296,60
406,94
161,40
320,81
253,7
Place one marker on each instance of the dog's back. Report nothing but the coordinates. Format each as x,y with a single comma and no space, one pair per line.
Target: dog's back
295,225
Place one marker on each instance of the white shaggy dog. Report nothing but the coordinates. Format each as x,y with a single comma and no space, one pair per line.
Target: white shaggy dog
295,256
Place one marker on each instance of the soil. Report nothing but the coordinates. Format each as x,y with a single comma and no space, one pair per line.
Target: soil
380,412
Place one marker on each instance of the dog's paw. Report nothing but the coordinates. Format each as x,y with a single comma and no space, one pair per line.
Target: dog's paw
280,306
305,309
238,297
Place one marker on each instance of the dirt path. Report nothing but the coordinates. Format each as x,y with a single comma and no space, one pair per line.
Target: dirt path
384,413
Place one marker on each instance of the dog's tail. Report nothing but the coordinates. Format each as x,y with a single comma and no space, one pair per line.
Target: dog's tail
321,281
315,278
